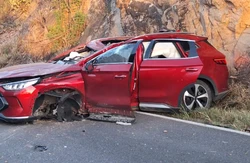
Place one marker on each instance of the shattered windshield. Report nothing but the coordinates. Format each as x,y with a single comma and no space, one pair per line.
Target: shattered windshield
75,56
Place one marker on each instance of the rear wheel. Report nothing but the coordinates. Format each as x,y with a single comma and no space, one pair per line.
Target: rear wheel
197,96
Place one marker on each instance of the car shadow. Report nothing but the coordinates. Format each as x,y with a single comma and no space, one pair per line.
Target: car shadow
4,123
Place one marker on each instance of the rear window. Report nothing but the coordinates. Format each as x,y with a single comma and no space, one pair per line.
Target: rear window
165,50
184,45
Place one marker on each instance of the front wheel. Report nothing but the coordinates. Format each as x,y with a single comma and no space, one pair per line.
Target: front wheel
68,110
199,95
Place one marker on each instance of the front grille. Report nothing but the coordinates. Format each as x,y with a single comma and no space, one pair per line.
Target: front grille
3,103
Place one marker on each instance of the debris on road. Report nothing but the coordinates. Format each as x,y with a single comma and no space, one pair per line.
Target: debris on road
124,123
225,142
40,148
165,131
111,118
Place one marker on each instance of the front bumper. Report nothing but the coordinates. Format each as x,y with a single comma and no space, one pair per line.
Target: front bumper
16,119
3,103
4,106
17,105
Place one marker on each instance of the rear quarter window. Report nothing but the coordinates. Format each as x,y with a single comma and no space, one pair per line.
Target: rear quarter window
189,48
184,45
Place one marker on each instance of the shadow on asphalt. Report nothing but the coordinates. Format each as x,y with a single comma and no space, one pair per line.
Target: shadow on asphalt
3,123
53,120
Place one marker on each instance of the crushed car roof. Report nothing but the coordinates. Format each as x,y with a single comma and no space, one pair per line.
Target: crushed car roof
95,45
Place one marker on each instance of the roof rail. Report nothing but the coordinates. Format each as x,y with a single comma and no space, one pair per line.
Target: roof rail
173,31
167,30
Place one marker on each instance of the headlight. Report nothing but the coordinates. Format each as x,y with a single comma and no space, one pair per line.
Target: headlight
20,84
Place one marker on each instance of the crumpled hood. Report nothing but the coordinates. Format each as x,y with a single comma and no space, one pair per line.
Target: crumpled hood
31,70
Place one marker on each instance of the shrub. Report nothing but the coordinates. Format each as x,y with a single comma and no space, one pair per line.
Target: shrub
12,55
70,23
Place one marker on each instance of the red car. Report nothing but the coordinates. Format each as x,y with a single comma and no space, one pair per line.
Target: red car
154,72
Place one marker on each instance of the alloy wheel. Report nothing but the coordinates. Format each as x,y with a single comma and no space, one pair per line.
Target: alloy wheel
196,96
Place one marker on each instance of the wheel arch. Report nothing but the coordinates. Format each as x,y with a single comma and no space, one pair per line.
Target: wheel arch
210,83
205,79
57,96
181,93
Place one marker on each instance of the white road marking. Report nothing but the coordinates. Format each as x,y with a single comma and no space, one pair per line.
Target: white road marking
195,123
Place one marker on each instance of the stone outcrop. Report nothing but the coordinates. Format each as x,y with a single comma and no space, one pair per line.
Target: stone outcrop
225,22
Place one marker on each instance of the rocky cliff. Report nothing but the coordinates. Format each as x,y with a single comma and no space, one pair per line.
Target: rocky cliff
41,27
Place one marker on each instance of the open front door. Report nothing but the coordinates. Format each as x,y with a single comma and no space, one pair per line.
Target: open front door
110,84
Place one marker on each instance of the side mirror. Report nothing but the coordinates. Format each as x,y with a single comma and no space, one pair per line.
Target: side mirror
89,66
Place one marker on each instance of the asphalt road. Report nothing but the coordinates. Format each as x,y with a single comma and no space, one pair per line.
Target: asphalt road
150,139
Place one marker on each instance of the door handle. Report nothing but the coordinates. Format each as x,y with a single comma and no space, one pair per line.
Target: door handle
120,76
190,69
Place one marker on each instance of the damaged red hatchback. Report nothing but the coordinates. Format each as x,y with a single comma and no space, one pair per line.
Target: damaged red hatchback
154,72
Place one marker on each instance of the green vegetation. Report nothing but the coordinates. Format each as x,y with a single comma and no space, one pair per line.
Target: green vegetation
69,24
76,28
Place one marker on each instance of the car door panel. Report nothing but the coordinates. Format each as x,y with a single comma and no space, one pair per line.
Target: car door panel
110,87
108,80
161,80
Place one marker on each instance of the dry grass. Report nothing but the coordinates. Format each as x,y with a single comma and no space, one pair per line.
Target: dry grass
229,118
231,112
12,55
238,98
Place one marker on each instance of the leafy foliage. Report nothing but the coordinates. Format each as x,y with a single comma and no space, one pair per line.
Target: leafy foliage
70,23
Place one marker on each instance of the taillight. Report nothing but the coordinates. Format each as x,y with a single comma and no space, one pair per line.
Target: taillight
220,61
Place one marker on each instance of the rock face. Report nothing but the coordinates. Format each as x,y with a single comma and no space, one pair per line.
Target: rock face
225,22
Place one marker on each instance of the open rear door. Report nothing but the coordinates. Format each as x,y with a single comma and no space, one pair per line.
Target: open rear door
165,72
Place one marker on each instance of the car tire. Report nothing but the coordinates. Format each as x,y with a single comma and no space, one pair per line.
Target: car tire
196,96
68,111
